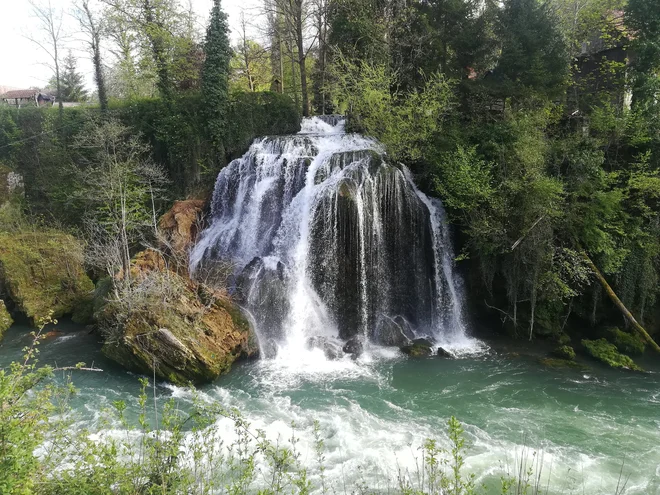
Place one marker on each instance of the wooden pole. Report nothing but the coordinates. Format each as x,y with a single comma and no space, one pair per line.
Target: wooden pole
617,302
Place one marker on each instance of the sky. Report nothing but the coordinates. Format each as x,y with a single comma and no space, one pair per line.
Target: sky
22,63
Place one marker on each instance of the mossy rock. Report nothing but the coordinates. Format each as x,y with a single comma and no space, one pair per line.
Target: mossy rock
559,363
175,333
418,348
626,343
5,319
564,352
602,350
42,273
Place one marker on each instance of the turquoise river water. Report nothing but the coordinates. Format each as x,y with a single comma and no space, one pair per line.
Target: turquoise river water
589,427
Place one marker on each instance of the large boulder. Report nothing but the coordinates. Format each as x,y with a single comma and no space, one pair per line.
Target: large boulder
354,346
331,349
5,319
42,274
394,332
418,348
180,330
262,286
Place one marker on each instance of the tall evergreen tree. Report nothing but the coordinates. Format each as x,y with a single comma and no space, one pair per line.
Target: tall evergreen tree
72,87
215,74
534,54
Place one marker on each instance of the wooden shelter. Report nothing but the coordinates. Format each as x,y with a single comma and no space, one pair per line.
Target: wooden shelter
27,97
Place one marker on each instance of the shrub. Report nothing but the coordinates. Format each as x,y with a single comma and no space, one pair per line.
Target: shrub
564,352
602,350
626,343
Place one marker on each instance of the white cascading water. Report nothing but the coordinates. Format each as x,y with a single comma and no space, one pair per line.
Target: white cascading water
330,242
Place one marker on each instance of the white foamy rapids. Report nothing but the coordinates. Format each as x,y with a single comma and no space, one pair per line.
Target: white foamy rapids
330,241
374,449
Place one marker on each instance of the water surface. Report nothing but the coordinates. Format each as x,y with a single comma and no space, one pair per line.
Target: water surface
375,413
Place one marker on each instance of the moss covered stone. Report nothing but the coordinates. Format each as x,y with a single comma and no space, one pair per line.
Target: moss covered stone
564,352
42,273
180,331
418,348
626,343
5,319
602,350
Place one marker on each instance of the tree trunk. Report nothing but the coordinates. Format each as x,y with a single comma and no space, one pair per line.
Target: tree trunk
154,30
617,302
301,63
95,35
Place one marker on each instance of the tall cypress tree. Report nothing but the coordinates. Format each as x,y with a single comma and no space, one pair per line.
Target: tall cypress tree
215,74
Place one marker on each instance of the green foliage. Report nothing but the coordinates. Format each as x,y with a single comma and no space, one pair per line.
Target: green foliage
643,18
404,121
564,352
250,69
534,56
10,136
464,180
626,343
42,272
72,85
5,319
602,350
25,405
215,75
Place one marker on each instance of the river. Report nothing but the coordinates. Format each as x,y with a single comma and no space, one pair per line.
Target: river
587,426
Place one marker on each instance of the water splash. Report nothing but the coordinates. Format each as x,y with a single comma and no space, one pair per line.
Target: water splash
332,242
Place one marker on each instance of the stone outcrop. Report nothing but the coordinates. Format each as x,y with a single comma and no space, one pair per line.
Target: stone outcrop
42,274
178,329
418,348
5,319
179,228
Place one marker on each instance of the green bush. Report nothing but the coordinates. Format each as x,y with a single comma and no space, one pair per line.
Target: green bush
42,272
626,343
564,352
602,350
175,129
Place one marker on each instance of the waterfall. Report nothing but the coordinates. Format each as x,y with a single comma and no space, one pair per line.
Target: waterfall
328,240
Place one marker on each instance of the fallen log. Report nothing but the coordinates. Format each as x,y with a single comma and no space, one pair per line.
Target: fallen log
617,302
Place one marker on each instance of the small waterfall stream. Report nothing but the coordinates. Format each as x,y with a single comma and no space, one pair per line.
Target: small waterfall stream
330,241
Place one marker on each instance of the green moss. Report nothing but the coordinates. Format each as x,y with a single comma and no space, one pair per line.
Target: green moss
418,348
42,273
240,321
602,350
626,343
5,319
564,352
180,332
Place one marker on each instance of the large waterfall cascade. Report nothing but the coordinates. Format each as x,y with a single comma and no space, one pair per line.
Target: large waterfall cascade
330,242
